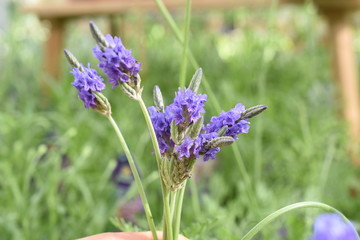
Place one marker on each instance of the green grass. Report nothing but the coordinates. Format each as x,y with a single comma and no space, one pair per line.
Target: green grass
295,151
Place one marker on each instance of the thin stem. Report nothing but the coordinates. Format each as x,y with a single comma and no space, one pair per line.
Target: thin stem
185,44
138,182
167,215
248,183
258,227
195,197
178,210
165,193
173,196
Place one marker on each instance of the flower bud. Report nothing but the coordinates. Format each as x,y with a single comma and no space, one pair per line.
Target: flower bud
98,36
158,99
220,142
174,132
253,111
196,128
72,60
222,130
196,80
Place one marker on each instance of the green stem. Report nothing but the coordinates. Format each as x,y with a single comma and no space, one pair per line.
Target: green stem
165,193
195,197
173,203
185,44
138,183
258,227
210,93
178,210
248,183
167,216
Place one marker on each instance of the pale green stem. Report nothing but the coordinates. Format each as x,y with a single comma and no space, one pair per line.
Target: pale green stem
178,210
173,203
137,179
258,227
185,44
195,197
165,193
250,192
210,93
167,216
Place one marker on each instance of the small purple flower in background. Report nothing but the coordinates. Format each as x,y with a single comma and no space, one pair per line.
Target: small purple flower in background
118,63
331,226
121,175
122,178
86,82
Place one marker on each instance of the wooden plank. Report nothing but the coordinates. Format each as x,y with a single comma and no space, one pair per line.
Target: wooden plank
52,54
346,75
330,4
82,8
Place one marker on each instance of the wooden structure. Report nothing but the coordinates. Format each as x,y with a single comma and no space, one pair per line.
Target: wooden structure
345,73
335,13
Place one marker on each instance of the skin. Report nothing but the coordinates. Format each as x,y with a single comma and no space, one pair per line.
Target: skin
127,236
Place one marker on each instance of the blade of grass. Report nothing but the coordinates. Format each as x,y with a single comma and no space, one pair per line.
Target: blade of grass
185,44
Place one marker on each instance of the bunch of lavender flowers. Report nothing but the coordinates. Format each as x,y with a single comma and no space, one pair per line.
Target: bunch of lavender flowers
182,135
177,131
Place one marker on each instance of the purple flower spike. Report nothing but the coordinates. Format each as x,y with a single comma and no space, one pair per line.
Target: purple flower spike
86,82
88,79
232,120
331,226
118,63
187,106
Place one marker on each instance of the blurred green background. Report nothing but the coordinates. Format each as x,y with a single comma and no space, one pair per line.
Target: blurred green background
57,158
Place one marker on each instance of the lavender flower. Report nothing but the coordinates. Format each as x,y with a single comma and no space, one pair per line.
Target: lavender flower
230,119
182,136
189,148
86,82
162,129
187,107
118,63
331,226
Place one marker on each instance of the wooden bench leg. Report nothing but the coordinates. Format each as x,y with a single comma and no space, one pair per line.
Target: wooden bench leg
52,53
346,75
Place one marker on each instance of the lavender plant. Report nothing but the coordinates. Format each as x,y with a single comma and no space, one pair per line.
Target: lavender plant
178,132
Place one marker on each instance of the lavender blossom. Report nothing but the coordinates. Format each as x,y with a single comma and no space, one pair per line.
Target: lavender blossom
189,148
331,226
187,107
162,129
230,119
182,136
118,63
86,82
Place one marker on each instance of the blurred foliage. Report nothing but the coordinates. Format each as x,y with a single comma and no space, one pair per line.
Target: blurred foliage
56,157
